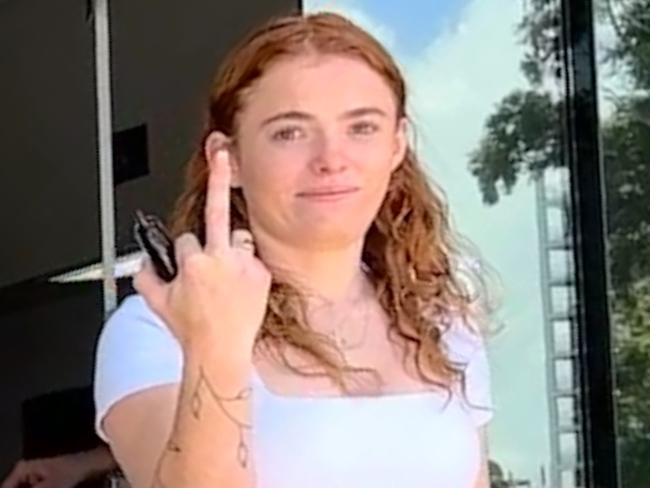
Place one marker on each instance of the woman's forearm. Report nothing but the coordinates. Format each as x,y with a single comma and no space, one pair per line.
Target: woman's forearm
210,441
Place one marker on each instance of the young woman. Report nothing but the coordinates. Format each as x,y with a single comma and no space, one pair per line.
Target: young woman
318,333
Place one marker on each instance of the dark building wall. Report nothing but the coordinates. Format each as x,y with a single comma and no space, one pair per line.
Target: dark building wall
48,335
164,55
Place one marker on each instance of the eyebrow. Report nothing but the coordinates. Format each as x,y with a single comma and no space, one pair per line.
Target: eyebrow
297,115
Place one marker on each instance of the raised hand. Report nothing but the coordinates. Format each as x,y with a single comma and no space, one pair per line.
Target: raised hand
221,290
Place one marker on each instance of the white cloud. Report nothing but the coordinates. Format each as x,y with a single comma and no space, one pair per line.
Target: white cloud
383,33
455,85
613,82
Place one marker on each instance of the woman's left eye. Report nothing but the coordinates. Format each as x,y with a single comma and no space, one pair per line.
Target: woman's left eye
364,128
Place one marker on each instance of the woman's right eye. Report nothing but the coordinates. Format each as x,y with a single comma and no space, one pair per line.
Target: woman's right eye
287,134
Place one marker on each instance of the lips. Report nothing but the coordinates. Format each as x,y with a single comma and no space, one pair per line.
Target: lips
331,191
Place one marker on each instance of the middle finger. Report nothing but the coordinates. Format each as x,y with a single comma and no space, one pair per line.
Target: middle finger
217,207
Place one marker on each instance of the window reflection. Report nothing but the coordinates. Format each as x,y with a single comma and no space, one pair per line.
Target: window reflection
622,33
486,100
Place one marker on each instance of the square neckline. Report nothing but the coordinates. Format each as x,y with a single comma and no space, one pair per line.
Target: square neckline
342,398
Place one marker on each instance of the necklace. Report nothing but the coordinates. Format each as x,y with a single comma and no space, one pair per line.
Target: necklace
342,342
345,344
322,311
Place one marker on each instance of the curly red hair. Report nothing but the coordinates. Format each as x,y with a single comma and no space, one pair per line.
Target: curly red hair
409,249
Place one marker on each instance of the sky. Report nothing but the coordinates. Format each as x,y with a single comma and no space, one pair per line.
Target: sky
459,59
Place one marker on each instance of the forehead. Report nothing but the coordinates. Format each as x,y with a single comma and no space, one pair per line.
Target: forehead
319,83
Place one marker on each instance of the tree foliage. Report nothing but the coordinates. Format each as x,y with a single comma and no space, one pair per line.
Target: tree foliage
524,136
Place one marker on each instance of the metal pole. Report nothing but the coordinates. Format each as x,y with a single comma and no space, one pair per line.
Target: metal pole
551,384
589,215
105,146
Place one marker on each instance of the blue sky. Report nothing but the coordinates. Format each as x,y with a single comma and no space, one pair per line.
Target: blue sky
416,25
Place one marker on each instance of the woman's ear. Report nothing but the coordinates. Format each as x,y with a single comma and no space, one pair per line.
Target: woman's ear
213,144
401,143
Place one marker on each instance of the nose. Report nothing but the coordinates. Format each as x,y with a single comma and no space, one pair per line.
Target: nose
328,158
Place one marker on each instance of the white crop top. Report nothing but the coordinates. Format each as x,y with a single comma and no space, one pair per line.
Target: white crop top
415,440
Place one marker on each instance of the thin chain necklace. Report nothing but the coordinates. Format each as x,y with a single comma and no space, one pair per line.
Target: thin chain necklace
346,344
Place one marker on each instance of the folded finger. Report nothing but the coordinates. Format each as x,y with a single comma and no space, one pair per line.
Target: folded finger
146,281
185,245
242,239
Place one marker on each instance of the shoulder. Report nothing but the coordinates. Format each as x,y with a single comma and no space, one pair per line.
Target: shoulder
134,329
135,351
464,344
462,338
133,320
134,308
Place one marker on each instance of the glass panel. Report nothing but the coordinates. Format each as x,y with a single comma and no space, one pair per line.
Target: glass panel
623,57
486,99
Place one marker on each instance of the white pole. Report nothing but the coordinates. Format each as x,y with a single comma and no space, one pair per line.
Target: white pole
105,146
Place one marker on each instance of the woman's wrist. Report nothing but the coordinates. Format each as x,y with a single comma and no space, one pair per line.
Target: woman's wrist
217,348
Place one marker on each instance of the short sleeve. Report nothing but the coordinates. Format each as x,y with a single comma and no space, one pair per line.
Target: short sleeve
135,351
466,348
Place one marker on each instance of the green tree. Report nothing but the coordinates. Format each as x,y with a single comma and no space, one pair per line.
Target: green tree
524,136
631,316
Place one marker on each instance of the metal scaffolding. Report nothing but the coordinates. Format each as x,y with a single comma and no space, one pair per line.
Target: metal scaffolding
560,327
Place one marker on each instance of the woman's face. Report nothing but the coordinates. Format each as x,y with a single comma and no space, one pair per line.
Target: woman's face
318,140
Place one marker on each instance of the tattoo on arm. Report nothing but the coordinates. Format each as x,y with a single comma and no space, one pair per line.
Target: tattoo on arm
197,404
157,477
172,447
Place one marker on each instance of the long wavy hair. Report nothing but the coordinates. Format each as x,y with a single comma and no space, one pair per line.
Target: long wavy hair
410,251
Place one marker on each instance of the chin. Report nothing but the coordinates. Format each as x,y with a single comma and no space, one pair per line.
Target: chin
329,237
